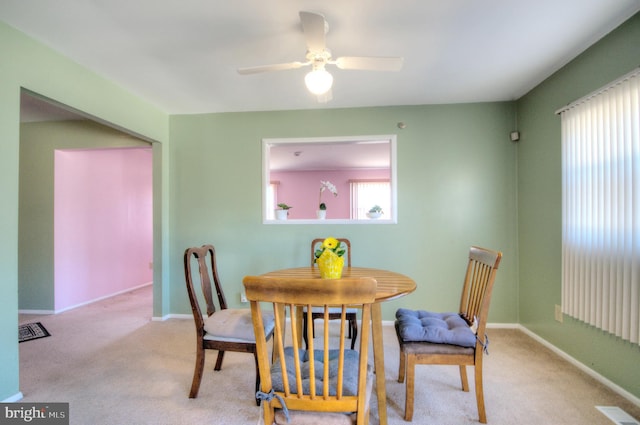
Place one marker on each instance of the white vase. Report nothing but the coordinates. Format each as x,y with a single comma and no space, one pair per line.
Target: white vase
281,214
321,214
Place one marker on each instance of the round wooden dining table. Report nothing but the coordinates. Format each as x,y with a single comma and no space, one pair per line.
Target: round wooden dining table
391,285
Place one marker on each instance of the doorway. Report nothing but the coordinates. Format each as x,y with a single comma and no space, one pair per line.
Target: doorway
52,136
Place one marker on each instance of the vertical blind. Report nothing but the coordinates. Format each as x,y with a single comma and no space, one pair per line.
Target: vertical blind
367,193
272,197
601,208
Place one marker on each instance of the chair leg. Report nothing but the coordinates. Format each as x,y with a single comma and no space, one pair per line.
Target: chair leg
480,394
463,378
255,356
197,373
402,367
305,335
362,415
410,387
268,412
353,331
218,365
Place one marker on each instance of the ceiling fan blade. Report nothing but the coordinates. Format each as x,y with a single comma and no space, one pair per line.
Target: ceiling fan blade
314,28
370,63
274,67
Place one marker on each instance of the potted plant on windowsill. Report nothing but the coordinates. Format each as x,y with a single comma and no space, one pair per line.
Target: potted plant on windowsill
322,211
322,208
282,212
375,212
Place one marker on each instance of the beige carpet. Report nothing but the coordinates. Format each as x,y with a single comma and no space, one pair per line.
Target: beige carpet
114,366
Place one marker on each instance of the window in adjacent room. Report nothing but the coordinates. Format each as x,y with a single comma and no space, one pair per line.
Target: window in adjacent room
272,196
367,193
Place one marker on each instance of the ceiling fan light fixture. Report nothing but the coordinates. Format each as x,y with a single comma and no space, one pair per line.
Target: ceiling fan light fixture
318,81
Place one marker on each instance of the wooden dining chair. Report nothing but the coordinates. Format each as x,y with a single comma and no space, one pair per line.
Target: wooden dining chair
320,385
334,314
450,338
223,328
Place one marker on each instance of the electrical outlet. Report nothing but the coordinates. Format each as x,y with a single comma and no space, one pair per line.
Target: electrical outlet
558,313
243,297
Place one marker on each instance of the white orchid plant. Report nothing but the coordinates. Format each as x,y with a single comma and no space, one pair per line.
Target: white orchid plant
326,185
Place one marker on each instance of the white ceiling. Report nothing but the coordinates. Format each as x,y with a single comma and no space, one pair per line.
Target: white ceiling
335,155
183,55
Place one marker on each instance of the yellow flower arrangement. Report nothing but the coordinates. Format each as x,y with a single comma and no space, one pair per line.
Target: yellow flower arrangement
331,244
330,258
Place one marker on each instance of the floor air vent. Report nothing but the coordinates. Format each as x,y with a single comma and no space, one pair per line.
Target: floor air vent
617,415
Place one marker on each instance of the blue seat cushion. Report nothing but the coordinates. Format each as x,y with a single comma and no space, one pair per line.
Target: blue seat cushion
350,375
441,328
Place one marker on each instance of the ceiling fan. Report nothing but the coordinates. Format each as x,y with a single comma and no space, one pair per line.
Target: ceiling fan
319,80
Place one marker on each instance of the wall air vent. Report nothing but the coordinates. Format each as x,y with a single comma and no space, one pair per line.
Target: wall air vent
617,415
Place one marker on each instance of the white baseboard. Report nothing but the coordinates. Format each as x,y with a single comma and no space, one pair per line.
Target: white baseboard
124,291
503,326
37,312
13,398
171,316
586,369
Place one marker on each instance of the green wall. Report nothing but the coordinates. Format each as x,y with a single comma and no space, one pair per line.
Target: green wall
28,64
38,142
456,188
540,206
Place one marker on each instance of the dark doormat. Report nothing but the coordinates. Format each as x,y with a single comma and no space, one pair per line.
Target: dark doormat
30,331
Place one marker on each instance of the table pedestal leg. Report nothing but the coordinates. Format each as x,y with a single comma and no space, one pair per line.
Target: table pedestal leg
378,359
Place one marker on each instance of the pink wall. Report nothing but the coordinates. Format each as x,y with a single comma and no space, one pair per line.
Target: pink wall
102,222
301,190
